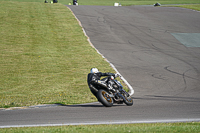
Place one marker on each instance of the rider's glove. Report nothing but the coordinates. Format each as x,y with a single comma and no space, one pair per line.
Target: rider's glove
117,75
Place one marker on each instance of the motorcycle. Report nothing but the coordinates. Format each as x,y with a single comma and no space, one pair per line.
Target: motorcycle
75,2
111,91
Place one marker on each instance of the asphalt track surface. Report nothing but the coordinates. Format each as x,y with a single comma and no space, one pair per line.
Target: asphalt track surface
141,42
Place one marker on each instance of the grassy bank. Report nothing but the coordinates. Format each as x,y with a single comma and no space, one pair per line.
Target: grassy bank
45,57
126,128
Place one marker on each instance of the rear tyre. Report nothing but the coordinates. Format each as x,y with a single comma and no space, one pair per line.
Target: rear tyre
104,98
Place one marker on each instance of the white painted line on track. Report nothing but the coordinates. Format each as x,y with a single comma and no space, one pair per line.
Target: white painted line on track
108,122
131,90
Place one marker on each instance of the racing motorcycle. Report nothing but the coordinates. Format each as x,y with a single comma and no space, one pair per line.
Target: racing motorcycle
75,2
111,91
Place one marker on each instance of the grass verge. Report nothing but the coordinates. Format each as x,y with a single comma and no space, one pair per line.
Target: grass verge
192,6
45,57
124,128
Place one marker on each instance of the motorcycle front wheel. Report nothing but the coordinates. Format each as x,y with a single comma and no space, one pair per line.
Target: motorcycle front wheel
128,99
104,98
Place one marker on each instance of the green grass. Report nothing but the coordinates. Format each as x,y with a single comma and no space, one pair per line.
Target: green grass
45,57
125,128
194,7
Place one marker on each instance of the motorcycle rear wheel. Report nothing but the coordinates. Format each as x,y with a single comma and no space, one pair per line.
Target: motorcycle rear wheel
104,98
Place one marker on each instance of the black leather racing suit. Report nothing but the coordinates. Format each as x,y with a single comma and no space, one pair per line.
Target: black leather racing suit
93,80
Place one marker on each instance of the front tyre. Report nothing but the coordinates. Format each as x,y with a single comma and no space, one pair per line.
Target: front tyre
104,98
128,99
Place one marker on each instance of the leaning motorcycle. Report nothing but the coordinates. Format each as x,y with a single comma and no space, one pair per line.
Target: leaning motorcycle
111,91
75,2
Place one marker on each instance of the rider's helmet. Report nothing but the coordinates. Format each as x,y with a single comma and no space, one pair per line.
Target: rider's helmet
94,70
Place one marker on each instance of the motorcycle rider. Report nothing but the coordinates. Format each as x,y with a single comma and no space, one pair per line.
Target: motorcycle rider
94,79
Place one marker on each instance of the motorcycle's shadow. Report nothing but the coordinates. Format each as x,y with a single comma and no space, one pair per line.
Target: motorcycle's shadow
95,104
